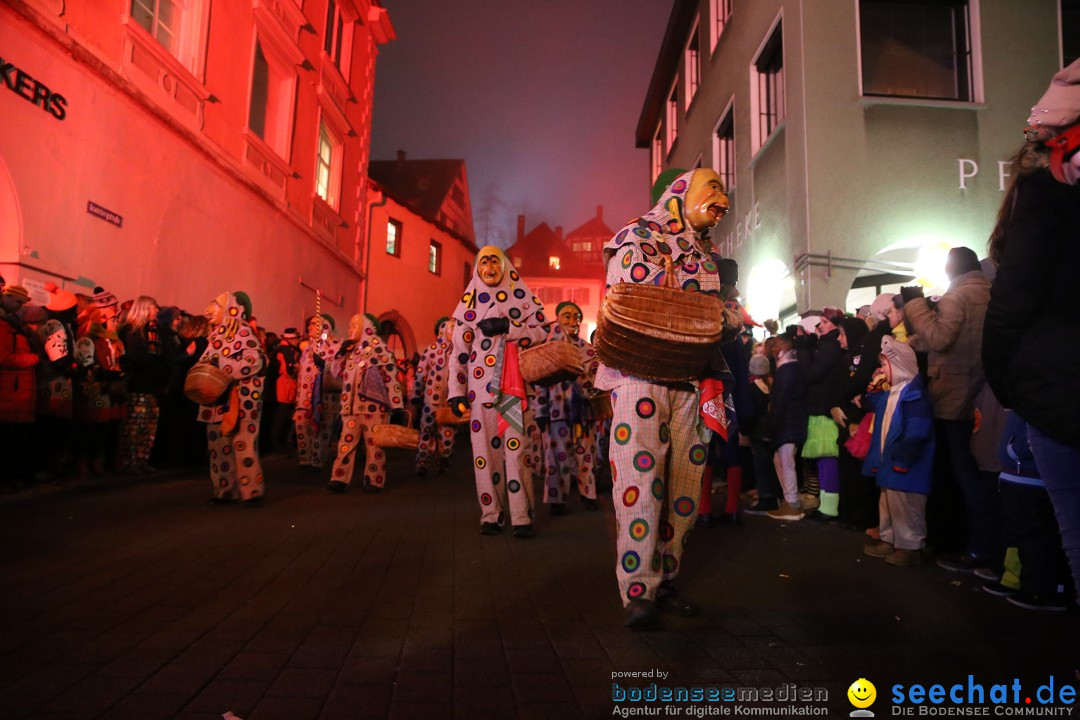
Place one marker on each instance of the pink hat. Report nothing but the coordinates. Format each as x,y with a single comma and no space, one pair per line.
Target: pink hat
1060,104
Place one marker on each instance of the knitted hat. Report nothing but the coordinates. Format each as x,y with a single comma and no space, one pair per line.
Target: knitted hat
33,314
102,298
759,365
567,303
880,307
59,300
662,181
245,302
810,321
1060,104
902,359
854,330
18,292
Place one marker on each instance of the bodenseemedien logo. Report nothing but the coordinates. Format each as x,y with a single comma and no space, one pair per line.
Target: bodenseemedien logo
862,694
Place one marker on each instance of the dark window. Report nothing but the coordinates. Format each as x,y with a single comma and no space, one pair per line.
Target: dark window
725,150
260,87
770,73
1070,31
916,49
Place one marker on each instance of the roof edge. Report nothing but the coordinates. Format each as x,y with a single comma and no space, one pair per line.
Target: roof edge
667,61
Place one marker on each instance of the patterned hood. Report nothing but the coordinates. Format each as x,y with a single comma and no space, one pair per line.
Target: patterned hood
511,298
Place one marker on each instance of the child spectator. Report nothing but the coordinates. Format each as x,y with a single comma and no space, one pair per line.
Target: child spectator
785,427
768,488
901,455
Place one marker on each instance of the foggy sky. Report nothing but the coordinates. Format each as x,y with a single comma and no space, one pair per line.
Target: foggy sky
540,97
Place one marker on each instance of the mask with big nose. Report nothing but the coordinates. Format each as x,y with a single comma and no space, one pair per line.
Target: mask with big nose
706,202
490,267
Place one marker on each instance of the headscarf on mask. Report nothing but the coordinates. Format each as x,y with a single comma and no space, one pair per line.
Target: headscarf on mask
511,298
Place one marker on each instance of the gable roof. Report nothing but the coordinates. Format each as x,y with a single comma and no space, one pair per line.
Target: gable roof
420,184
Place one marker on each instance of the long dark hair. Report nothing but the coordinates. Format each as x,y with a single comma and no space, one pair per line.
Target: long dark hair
1030,157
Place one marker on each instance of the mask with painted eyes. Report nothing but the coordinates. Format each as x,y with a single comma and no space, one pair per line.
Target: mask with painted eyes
706,202
356,327
570,320
215,312
448,330
490,267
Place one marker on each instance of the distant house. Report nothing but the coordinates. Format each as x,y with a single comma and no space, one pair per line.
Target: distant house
559,268
420,248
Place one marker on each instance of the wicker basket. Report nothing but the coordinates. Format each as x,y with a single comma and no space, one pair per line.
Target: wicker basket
205,383
396,436
445,416
600,406
551,363
659,333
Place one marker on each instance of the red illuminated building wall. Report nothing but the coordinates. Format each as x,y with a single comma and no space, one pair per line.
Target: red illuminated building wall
559,268
421,246
183,149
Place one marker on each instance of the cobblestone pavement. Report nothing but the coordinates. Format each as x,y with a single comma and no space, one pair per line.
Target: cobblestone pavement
136,600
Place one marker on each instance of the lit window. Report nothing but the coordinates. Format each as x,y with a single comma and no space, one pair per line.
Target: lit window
328,167
177,25
673,116
916,49
270,109
721,13
434,262
768,75
517,262
393,238
553,262
724,148
657,154
338,39
693,65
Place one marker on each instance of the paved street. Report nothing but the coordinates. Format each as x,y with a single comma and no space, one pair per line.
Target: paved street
136,600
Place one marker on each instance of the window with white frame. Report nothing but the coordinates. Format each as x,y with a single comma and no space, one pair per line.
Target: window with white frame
338,39
721,13
393,237
724,148
270,109
672,116
328,167
917,49
175,24
693,65
434,263
767,74
657,153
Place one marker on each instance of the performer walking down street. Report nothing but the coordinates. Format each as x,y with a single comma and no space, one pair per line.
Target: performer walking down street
562,412
496,314
431,384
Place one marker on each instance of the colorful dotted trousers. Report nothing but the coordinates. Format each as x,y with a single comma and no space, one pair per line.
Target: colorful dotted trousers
657,460
235,470
503,475
436,442
356,429
566,456
138,431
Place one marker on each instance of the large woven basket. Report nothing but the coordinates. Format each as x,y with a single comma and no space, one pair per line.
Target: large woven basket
446,416
600,406
396,436
205,383
658,333
551,363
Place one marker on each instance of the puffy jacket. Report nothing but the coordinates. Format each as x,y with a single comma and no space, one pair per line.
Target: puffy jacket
952,333
906,462
787,407
18,375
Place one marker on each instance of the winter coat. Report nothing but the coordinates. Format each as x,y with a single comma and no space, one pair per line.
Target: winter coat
787,407
1031,339
737,354
145,366
906,462
826,374
952,333
18,381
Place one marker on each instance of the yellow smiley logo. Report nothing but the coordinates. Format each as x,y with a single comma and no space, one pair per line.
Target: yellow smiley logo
862,693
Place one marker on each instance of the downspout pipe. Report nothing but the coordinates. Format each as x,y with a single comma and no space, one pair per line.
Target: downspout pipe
367,248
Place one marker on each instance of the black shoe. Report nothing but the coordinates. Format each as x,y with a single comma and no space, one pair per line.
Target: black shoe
818,516
1052,602
254,502
996,588
524,531
336,486
490,529
214,501
372,489
590,504
556,509
640,614
672,602
763,506
965,563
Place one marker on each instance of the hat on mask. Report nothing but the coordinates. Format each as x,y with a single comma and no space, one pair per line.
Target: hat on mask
245,302
439,323
663,180
59,300
566,304
1060,104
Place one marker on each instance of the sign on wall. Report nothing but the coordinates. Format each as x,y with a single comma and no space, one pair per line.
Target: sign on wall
104,213
33,91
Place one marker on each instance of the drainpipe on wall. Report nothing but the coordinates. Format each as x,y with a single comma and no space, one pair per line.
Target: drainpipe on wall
367,248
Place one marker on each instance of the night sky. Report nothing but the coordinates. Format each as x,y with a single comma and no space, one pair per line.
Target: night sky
540,98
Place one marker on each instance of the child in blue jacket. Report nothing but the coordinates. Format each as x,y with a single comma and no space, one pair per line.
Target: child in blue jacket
901,455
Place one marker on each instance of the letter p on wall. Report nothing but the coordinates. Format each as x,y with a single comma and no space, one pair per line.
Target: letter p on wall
968,169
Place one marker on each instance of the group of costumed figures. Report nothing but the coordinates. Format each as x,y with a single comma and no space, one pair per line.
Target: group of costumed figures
658,395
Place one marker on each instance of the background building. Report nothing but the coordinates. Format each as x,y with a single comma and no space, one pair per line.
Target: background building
181,149
859,138
557,268
421,247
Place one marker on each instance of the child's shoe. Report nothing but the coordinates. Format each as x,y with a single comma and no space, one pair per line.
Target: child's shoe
786,512
879,549
904,558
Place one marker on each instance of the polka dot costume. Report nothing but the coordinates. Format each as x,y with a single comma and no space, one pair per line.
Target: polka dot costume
431,384
503,476
235,471
314,400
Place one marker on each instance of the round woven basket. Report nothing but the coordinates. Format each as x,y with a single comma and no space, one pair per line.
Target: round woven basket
396,436
551,363
446,416
658,333
205,383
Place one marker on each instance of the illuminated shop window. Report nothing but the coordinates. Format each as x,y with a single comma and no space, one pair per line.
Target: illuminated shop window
693,65
434,261
724,148
917,49
393,238
553,262
270,110
767,74
328,167
721,13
